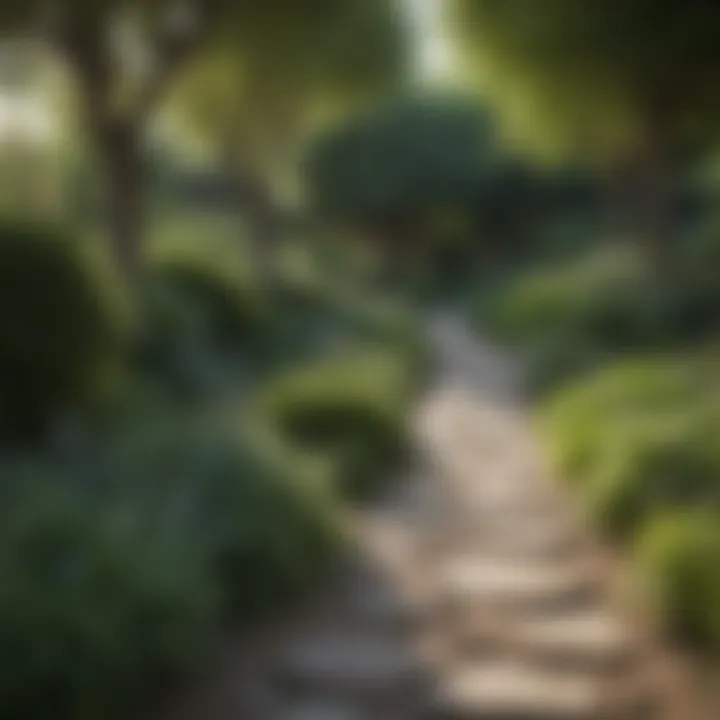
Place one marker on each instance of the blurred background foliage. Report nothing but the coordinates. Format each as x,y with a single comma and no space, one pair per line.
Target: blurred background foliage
222,226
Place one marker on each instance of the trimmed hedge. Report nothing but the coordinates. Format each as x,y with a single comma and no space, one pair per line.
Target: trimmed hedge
353,407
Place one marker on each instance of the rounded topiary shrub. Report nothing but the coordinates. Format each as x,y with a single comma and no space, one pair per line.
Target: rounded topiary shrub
61,327
353,407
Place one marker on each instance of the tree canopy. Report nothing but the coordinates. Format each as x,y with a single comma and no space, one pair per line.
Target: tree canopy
595,76
279,65
408,157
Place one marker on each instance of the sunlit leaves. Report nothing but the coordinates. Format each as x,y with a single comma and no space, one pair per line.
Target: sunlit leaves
587,75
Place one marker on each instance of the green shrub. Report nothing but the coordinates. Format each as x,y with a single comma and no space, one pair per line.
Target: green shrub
175,345
118,566
639,437
573,316
99,602
263,513
588,298
576,419
214,277
558,359
667,462
353,407
62,328
392,327
679,557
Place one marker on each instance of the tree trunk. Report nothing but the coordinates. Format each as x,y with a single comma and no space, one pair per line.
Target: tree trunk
121,153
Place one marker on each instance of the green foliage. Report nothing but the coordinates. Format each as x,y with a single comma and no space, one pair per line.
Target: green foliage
97,606
638,437
572,316
415,155
352,407
586,297
120,566
214,277
593,77
679,555
62,327
274,70
623,395
666,463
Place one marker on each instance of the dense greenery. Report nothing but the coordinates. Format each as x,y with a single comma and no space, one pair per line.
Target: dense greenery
144,505
188,399
353,407
120,567
63,328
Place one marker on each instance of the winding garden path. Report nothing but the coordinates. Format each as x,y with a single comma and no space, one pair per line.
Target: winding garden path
477,592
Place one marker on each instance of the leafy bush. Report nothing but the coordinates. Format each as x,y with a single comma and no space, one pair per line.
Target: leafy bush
213,277
572,317
62,328
559,359
669,462
581,298
679,556
639,436
118,566
577,419
353,407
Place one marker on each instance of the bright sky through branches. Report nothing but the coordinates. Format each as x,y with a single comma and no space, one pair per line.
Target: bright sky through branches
434,62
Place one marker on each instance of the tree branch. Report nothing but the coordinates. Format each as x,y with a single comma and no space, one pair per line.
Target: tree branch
172,50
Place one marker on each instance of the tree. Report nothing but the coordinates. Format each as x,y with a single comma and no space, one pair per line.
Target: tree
627,83
121,55
269,79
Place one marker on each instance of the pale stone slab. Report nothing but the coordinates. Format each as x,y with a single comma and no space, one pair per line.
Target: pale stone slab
473,580
506,691
594,641
320,711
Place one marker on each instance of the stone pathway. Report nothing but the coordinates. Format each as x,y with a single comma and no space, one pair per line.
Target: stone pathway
477,593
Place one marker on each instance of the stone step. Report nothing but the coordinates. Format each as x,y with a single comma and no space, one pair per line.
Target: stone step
390,609
350,665
510,691
475,580
592,641
320,710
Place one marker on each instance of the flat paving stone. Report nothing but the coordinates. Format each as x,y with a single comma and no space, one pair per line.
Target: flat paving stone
594,641
378,605
508,691
473,580
321,710
350,663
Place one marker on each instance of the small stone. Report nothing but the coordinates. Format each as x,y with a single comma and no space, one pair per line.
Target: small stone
505,691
